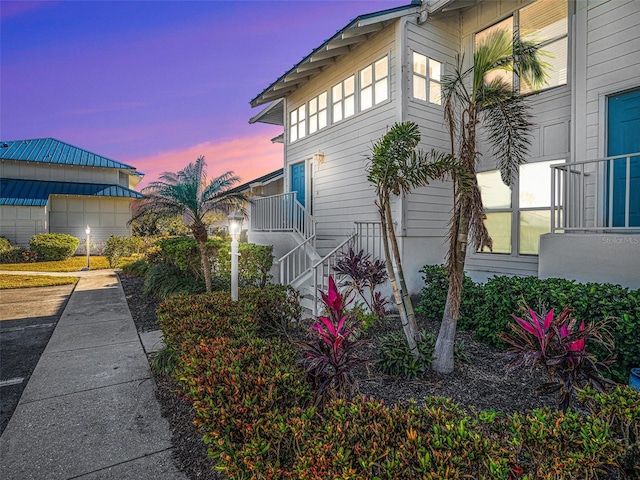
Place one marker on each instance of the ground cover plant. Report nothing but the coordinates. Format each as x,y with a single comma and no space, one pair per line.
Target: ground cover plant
256,413
72,264
27,281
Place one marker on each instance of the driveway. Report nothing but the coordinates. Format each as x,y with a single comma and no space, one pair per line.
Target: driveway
27,319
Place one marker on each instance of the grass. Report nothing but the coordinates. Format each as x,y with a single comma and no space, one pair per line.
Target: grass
29,281
72,264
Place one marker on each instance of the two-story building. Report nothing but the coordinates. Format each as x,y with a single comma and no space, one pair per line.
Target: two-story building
48,186
387,67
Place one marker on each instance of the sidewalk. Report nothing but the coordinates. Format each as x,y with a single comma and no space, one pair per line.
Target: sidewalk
89,410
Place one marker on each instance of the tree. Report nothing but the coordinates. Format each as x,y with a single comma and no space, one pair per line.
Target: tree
190,195
470,100
396,168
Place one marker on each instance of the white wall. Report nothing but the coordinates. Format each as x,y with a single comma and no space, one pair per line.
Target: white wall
58,173
19,224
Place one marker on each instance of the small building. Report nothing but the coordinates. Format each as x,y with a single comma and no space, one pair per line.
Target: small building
49,186
573,213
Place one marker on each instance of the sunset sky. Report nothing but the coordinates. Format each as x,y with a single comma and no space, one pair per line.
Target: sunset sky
155,84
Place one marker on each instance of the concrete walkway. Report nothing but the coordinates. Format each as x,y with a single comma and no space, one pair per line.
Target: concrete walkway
89,410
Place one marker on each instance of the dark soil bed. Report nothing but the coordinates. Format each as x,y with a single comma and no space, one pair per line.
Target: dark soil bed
482,383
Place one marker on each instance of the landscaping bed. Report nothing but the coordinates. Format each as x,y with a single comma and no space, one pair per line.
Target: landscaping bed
481,383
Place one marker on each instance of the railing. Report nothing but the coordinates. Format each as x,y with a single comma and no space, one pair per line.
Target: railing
369,238
596,195
281,213
296,263
322,269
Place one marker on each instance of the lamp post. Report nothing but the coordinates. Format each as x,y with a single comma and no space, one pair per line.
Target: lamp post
235,227
88,232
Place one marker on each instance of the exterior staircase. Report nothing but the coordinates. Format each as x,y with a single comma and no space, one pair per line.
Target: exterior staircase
303,267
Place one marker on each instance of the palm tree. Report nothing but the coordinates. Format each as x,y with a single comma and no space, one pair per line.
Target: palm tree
190,195
396,167
470,100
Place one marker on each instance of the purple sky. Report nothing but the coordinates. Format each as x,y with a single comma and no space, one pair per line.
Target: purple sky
157,83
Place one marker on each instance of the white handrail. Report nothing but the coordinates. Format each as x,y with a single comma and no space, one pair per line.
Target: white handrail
584,195
295,263
326,262
281,213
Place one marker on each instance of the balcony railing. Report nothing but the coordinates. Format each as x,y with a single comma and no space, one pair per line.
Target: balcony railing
600,195
281,213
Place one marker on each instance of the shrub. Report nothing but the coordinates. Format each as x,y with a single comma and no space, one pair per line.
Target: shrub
364,275
117,248
12,255
329,359
434,295
5,245
395,358
137,268
164,279
254,263
275,307
559,345
53,246
486,309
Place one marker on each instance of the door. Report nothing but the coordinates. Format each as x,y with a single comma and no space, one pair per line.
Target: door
298,181
623,137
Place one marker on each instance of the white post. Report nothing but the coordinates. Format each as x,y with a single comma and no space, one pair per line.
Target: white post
88,232
234,268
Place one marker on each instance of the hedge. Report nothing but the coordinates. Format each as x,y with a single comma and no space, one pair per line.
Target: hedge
53,246
486,308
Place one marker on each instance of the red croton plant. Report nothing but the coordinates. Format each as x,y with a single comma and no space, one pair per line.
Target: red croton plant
559,345
330,357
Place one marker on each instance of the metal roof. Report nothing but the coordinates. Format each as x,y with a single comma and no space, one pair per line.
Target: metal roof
354,33
269,177
50,150
35,193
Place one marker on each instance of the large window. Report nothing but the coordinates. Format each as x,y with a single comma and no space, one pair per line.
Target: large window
297,123
343,99
543,22
426,78
527,207
318,113
374,83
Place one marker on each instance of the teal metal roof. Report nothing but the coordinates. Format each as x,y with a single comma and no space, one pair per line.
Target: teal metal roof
35,193
50,150
355,32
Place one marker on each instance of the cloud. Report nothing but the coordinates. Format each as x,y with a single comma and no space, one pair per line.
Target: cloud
249,157
13,9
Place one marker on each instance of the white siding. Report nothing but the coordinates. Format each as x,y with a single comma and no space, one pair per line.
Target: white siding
58,173
106,216
19,224
341,193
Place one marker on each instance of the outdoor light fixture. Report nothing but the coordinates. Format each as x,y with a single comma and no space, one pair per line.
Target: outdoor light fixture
235,227
88,232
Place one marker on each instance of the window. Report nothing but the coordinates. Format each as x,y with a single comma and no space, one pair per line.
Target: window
496,199
343,99
318,113
427,86
544,22
527,207
374,84
297,123
534,197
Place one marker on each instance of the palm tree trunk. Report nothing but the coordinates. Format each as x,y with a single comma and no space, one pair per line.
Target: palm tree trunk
411,316
443,351
411,339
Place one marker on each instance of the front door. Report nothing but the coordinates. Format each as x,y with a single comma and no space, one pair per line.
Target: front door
623,137
298,181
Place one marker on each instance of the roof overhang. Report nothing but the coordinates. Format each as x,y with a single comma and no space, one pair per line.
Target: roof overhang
356,32
273,114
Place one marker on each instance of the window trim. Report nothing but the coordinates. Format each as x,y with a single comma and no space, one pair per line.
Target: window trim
428,79
515,15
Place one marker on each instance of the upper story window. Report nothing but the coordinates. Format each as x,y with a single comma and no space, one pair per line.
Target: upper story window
426,78
318,113
544,22
374,83
343,99
297,123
